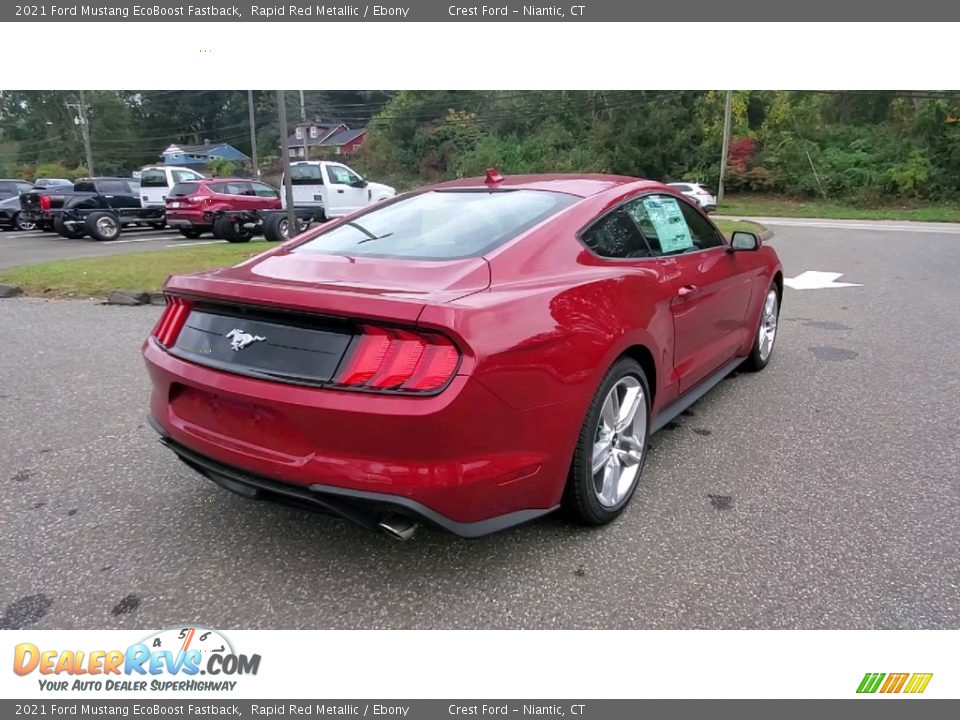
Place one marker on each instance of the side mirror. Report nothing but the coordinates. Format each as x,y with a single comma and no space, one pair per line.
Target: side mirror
743,240
360,183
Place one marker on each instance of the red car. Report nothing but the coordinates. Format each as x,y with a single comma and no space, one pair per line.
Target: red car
471,355
228,207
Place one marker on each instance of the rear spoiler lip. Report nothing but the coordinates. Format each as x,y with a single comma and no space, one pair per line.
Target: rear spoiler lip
325,300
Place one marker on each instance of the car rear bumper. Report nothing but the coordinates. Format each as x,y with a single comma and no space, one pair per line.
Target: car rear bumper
463,460
365,508
180,218
188,224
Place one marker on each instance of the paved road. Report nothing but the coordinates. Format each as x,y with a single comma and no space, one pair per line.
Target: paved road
821,493
24,248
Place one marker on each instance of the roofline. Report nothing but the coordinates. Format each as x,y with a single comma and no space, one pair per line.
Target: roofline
541,181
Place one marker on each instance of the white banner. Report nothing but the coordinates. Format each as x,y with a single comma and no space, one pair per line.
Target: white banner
197,661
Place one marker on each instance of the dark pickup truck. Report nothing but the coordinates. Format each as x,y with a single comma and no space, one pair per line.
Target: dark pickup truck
99,207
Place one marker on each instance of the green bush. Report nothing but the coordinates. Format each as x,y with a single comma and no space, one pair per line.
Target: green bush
59,170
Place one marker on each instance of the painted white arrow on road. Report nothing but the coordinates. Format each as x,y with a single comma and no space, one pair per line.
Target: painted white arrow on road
814,280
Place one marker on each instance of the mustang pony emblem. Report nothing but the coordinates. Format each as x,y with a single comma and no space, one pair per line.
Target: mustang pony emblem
240,339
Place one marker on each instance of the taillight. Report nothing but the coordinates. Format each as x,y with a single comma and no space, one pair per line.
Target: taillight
44,202
388,359
172,320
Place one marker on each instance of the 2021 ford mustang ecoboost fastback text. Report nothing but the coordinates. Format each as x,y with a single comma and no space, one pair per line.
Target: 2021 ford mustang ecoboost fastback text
470,355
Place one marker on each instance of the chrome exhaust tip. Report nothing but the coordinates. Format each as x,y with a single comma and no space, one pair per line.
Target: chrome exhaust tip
398,526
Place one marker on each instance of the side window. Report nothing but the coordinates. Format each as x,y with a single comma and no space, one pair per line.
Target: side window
305,175
671,226
704,234
616,236
233,188
184,176
153,178
84,186
341,175
264,191
112,187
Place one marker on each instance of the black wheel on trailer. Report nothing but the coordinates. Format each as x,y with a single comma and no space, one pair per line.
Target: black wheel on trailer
231,230
67,231
103,225
276,228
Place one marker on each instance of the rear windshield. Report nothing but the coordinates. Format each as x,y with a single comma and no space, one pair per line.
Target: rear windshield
305,175
440,225
181,189
153,178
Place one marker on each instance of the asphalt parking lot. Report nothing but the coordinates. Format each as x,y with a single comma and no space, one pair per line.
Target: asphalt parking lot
823,492
24,248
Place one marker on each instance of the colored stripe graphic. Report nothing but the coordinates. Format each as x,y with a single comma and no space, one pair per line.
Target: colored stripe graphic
870,682
918,682
894,682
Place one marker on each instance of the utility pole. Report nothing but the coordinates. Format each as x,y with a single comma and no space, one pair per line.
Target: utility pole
253,134
303,119
728,106
84,130
285,150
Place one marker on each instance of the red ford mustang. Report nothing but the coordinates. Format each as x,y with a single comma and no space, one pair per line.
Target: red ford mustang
471,355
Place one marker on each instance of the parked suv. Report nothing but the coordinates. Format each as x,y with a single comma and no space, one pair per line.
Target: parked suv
230,208
156,181
10,192
13,188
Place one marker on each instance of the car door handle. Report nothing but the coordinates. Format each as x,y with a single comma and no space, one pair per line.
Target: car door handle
687,290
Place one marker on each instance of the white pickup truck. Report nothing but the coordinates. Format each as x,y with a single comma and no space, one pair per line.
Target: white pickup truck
332,188
156,181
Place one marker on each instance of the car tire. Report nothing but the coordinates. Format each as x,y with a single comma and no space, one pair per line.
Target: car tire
615,434
191,233
64,230
103,225
275,228
230,230
766,335
23,225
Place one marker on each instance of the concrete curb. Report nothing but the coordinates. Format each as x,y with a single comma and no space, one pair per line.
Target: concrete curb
9,291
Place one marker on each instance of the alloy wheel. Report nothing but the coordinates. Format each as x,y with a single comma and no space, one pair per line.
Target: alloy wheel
768,325
618,443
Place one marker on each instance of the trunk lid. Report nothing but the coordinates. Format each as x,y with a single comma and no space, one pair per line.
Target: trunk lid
340,286
293,318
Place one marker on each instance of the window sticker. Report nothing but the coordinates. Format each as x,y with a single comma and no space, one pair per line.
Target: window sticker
667,218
